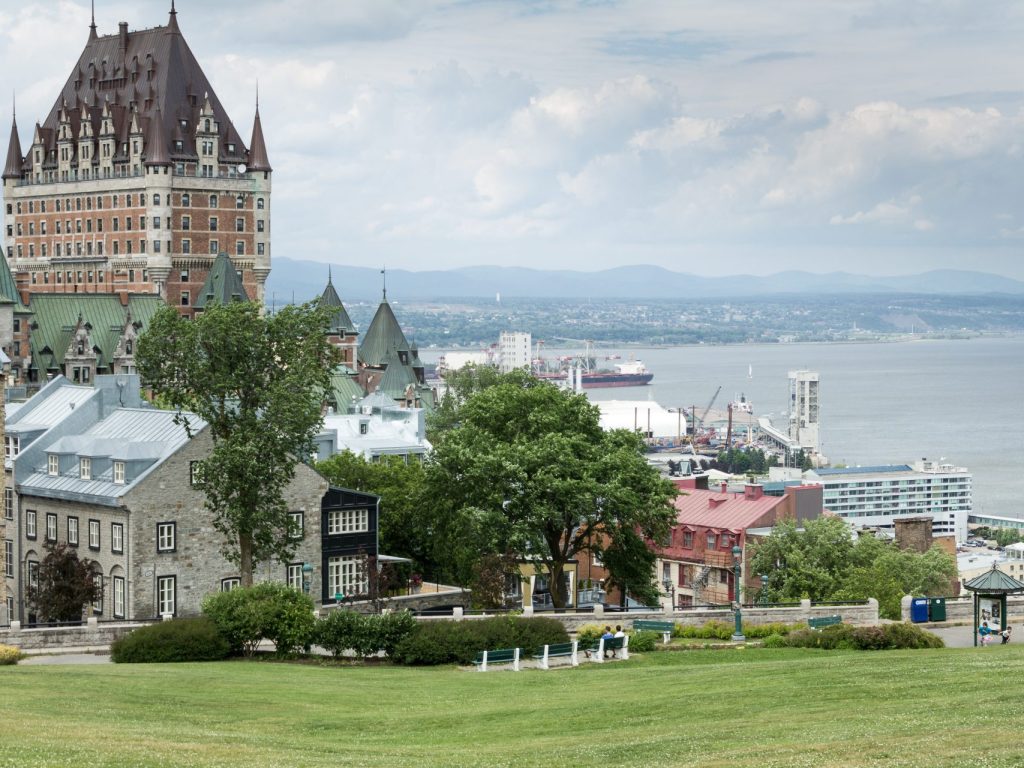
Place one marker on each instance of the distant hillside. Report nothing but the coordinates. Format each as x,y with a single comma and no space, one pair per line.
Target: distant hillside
305,279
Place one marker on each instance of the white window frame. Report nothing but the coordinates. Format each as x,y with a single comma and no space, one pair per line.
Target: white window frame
118,597
348,521
84,468
94,534
118,471
30,523
230,583
52,464
293,576
9,503
166,537
166,595
117,538
8,558
296,525
344,577
51,526
72,530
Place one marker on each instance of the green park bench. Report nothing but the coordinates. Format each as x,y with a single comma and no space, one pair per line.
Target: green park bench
824,621
597,651
666,628
500,656
556,650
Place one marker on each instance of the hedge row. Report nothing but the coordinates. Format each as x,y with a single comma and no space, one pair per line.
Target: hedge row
847,636
458,642
176,640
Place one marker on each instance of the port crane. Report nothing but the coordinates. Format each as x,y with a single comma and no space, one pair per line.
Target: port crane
698,423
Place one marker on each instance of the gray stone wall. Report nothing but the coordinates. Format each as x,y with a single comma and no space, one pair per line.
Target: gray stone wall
198,563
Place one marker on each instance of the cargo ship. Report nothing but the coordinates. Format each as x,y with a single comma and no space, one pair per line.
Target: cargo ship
628,374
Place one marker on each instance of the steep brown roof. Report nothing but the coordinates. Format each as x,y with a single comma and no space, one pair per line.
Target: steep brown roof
12,170
156,70
258,160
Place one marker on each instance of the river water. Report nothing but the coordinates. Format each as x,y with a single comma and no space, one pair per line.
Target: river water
881,403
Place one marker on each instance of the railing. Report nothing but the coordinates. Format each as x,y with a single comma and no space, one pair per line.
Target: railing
839,602
791,604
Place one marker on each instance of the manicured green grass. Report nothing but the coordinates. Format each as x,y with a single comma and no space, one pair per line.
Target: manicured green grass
752,707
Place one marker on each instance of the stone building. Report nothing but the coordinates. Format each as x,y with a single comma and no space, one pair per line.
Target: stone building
132,184
97,469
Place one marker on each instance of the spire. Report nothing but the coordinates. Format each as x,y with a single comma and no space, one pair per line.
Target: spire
12,170
156,141
329,274
384,282
258,160
172,20
92,25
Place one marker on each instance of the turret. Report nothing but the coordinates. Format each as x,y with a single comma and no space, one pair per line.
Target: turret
12,169
258,160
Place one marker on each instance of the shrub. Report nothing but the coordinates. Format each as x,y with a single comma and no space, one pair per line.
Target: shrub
644,641
169,641
589,634
884,637
364,634
774,641
446,642
268,610
9,655
767,630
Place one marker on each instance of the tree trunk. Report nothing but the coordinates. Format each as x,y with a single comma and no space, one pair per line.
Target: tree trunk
245,559
556,584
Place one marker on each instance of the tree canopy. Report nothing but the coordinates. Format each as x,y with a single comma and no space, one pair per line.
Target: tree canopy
824,562
526,468
65,584
258,381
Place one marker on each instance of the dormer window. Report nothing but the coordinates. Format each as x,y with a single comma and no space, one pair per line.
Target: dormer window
118,473
85,468
52,464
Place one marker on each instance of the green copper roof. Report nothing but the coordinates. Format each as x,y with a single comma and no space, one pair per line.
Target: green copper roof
396,377
341,323
8,288
344,388
994,582
223,285
56,317
383,335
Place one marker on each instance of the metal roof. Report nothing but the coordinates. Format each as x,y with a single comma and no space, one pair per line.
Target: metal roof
382,337
728,511
341,323
223,284
41,413
879,469
994,581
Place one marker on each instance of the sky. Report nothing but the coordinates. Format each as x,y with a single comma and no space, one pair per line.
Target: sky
714,137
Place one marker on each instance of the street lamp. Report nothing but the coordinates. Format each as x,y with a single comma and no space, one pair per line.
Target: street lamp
737,635
670,590
764,589
307,577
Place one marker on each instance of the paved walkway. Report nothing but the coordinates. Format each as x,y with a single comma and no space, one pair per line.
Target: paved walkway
66,658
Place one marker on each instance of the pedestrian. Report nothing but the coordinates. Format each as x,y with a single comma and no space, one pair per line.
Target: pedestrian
618,631
606,637
1006,634
985,632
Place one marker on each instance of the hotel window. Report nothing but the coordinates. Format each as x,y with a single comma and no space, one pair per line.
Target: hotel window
184,274
226,585
156,222
186,200
345,577
185,298
259,203
347,521
296,525
239,224
117,538
94,534
259,249
119,597
51,526
9,559
213,223
214,247
85,468
293,576
30,523
186,222
165,537
9,503
213,201
166,595
186,247
73,531
119,465
259,225
240,248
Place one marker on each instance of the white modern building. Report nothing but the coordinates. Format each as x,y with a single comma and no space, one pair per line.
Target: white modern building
875,496
803,410
374,427
514,351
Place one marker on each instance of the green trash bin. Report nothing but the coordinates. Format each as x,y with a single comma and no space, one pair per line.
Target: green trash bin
937,609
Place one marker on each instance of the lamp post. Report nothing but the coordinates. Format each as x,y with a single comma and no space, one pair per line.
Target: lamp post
737,635
764,589
670,590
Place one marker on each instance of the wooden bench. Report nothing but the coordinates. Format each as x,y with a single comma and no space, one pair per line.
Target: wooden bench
500,656
666,628
824,621
614,644
567,650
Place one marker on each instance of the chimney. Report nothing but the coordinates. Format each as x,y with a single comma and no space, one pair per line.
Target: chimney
122,33
753,491
714,502
725,487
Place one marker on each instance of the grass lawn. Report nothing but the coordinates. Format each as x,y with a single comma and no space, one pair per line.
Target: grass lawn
753,707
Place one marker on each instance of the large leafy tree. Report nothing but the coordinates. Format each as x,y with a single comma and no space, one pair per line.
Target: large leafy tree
824,562
527,468
258,381
65,584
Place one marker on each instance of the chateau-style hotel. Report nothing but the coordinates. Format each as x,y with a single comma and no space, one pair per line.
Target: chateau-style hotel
129,188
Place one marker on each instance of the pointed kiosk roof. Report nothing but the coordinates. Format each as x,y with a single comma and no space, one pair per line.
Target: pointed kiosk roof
223,285
341,323
15,159
994,582
382,337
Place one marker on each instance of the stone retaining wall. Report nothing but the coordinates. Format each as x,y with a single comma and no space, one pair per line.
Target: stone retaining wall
90,636
962,609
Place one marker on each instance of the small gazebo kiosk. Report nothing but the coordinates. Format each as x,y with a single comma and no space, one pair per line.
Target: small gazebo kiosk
990,591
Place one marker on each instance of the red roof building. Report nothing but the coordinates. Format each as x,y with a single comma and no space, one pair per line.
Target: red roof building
695,566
